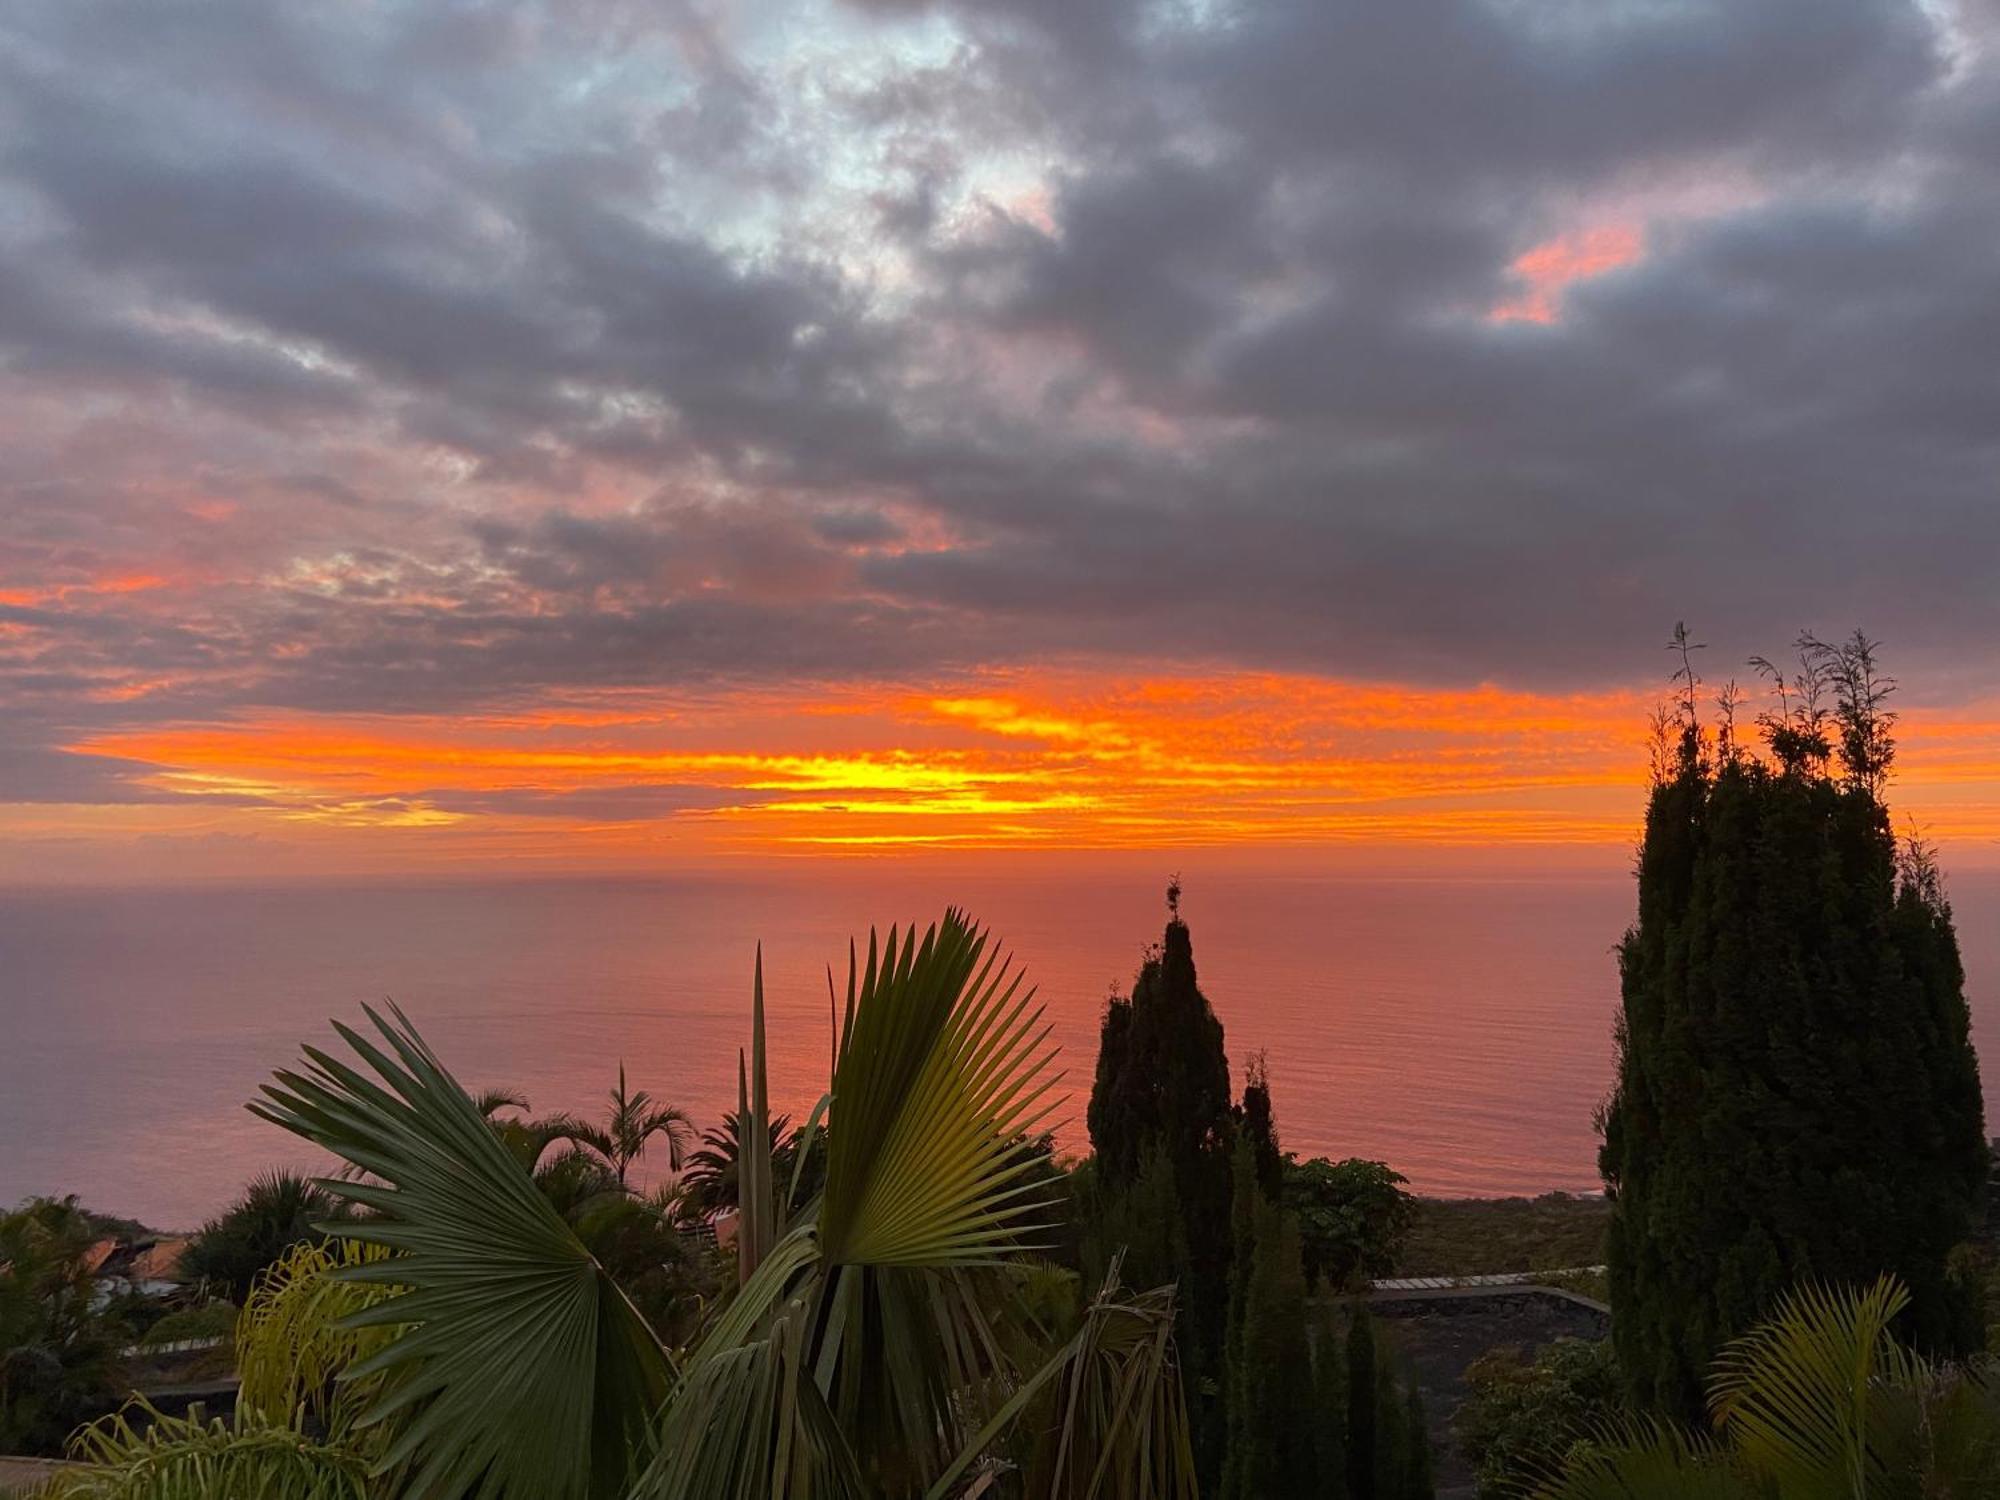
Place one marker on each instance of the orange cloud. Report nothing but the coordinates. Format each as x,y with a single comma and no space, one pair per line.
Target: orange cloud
1059,761
1546,270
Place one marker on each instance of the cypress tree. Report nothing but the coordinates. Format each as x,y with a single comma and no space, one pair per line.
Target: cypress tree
1361,1457
1392,1437
1417,1483
1161,1072
1258,1126
1272,1450
1143,1220
1163,1083
1329,1358
1797,1095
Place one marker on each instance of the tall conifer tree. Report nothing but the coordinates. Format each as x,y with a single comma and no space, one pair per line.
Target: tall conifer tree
1361,1425
1797,1095
1163,1085
1272,1450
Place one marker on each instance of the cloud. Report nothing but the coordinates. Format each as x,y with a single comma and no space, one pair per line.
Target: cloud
451,360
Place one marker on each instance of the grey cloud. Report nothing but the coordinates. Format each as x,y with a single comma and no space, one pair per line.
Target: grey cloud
545,346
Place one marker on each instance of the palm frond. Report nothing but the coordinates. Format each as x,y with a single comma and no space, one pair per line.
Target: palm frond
520,1369
1645,1459
161,1457
294,1341
944,1065
1113,1418
490,1101
1820,1396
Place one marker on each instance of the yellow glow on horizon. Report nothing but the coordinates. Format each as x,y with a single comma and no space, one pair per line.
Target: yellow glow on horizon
1047,760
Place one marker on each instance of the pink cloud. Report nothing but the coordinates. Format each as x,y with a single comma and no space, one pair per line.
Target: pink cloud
1546,270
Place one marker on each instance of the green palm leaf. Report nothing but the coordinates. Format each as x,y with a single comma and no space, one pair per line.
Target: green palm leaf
295,1341
943,1071
1649,1460
521,1370
1820,1397
163,1457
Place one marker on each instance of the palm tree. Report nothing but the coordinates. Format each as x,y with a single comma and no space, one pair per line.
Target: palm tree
709,1184
634,1119
297,1431
1820,1403
879,1346
278,1210
59,1359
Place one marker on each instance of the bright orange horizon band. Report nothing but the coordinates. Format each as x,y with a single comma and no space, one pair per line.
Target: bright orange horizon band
1032,760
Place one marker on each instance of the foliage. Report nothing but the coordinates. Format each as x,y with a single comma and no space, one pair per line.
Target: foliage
878,1343
522,1367
1521,1417
1256,1124
162,1457
208,1321
1483,1236
1272,1453
1121,1360
298,1353
1353,1217
59,1362
1162,1087
1141,1225
1361,1414
1797,1094
1162,1076
709,1185
277,1211
1820,1402
631,1123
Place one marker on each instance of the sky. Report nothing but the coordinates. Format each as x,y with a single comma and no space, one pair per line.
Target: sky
631,434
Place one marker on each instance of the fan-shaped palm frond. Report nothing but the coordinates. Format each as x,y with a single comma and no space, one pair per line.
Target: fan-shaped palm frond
876,1335
520,1369
1820,1402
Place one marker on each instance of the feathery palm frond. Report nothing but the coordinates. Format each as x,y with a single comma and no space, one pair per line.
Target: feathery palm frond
521,1369
1649,1460
1820,1396
490,1101
162,1457
294,1340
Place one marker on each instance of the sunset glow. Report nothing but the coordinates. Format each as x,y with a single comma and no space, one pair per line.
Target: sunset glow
1072,760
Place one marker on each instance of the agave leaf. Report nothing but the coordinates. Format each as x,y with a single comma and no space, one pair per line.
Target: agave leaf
519,1368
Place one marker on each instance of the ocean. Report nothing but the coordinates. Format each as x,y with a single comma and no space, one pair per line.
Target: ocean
1459,1029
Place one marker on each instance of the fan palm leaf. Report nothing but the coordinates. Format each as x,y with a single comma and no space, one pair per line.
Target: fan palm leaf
520,1369
876,1331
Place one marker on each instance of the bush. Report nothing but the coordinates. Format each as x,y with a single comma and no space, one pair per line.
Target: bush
213,1320
1521,1418
277,1211
1353,1217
